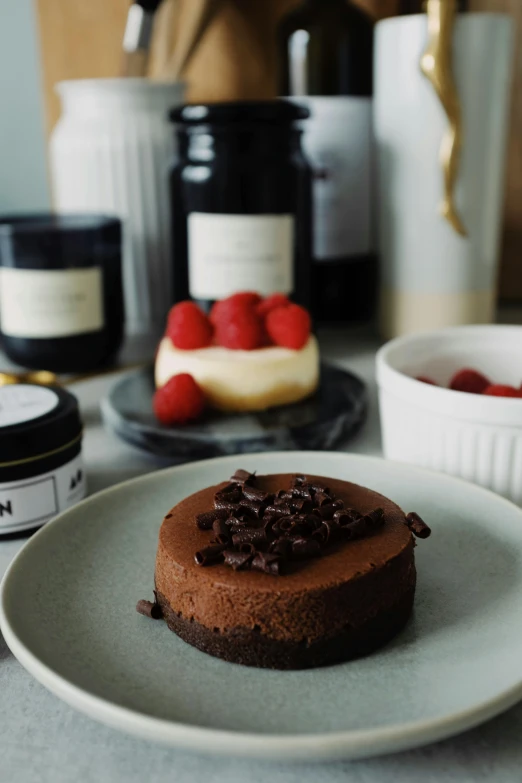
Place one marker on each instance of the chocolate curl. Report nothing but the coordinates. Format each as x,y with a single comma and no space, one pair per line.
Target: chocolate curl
280,511
225,505
298,480
285,524
266,562
149,609
302,492
303,505
327,511
253,493
221,531
299,527
418,526
210,555
253,507
206,520
347,516
322,499
319,488
284,494
237,560
344,517
329,531
243,477
313,522
303,548
375,519
282,547
250,535
247,547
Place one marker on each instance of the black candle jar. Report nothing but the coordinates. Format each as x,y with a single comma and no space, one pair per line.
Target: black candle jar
61,299
241,201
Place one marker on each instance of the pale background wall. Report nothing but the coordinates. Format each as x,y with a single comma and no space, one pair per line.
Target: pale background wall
23,175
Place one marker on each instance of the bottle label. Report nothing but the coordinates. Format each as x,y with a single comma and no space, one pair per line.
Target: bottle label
338,141
34,501
229,253
21,402
38,303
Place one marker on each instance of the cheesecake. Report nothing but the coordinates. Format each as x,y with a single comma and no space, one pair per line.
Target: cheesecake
236,380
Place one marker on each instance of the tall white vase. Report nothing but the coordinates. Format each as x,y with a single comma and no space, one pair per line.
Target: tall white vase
110,153
431,276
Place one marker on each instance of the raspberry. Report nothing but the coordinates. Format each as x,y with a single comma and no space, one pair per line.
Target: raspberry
188,327
179,401
425,379
270,303
240,330
245,300
499,390
470,381
289,326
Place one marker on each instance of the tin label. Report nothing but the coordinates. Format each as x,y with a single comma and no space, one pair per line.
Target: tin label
32,502
19,403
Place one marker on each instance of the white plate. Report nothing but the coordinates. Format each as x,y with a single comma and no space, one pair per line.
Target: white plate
67,613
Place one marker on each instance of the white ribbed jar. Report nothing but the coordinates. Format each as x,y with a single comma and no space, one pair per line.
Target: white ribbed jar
475,437
110,153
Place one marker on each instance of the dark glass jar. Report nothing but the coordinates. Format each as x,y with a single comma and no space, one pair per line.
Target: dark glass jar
241,201
61,298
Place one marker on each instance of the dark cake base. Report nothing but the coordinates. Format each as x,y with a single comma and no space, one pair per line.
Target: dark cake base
251,648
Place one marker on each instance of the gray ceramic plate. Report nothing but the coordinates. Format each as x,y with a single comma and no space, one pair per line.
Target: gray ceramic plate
67,613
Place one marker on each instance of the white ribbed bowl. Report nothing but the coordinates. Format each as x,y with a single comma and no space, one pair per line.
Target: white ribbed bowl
475,437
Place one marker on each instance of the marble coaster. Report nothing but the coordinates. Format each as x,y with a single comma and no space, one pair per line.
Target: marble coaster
321,422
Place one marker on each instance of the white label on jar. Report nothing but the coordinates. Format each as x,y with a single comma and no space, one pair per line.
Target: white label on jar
50,303
34,501
20,403
338,142
230,253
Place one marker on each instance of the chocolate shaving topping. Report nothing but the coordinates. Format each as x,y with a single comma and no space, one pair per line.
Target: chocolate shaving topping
418,526
210,555
305,548
149,609
253,507
237,560
243,477
253,493
250,535
262,532
221,529
266,562
206,520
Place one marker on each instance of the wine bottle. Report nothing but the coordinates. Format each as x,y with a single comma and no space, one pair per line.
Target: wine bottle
326,57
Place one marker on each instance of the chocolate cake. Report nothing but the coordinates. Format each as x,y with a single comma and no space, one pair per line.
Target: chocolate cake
286,571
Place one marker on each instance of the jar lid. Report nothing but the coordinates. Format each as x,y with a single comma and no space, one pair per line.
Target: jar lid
36,421
271,112
63,239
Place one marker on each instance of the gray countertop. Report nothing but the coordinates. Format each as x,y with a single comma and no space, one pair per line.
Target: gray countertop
42,739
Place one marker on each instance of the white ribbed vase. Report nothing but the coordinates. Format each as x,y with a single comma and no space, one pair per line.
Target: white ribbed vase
110,153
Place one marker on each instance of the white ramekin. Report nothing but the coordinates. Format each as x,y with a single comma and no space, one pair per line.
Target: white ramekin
478,438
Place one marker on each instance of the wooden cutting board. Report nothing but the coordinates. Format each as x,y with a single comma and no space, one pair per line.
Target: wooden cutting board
237,59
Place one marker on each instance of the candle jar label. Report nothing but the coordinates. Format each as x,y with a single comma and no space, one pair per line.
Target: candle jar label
229,253
51,303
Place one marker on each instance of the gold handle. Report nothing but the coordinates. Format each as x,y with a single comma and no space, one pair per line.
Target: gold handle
437,66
